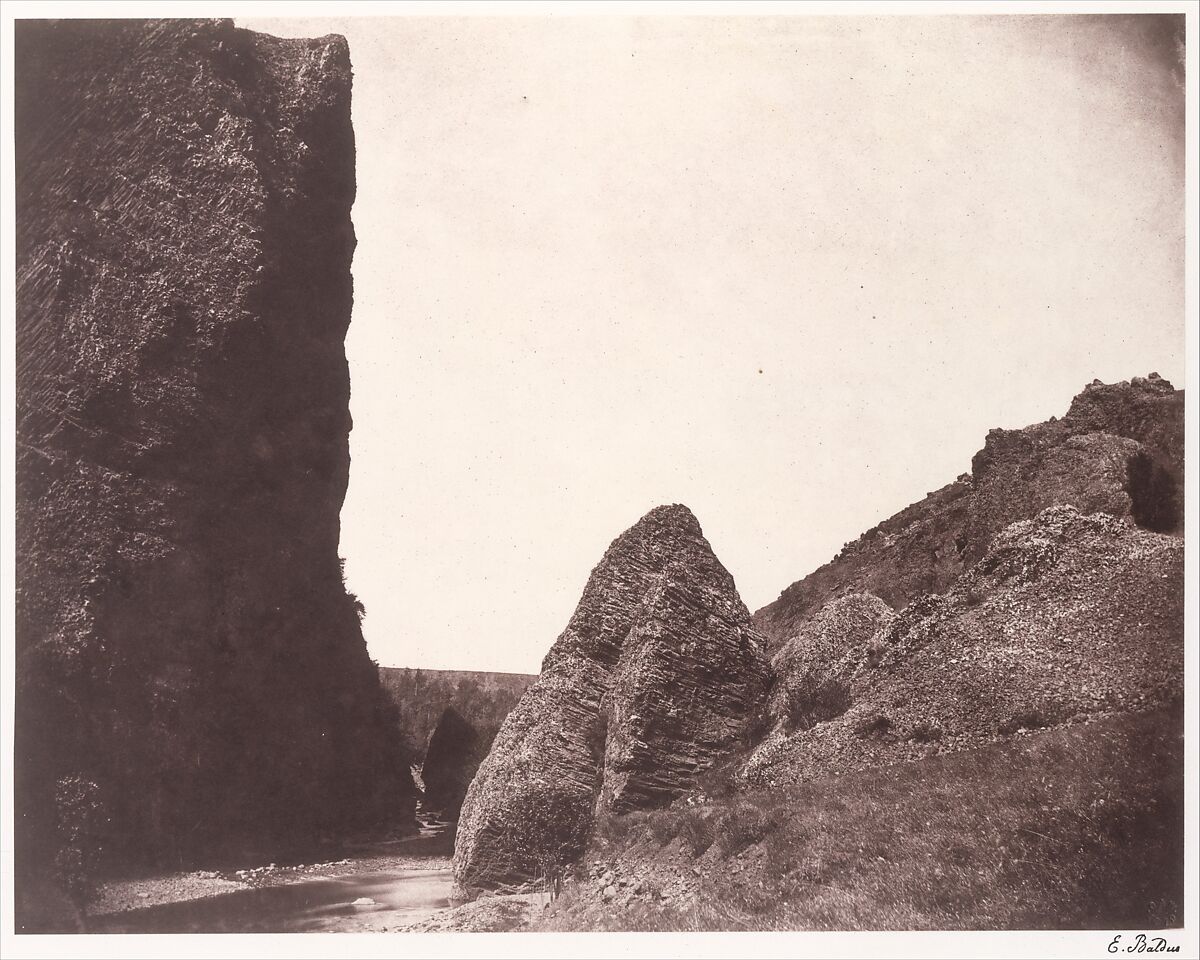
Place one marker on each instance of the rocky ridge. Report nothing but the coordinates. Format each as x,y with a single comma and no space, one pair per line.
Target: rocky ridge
1030,608
650,682
1118,449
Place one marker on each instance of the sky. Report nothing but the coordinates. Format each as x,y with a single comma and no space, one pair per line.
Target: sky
786,270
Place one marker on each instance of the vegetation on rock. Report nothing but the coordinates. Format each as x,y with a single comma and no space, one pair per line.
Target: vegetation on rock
1073,828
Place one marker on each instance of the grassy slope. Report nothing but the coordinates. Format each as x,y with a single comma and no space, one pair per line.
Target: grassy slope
1077,827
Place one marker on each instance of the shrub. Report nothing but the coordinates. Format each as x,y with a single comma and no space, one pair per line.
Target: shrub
925,733
757,726
746,824
784,863
662,826
876,725
696,831
614,827
814,700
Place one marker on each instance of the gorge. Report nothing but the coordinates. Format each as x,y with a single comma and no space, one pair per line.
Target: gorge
969,718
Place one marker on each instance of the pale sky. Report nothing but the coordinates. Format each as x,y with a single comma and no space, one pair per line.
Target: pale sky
785,270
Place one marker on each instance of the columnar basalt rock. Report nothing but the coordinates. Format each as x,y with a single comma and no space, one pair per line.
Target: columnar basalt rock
185,643
649,684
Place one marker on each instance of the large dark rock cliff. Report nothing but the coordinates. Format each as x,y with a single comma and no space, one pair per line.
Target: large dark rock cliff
649,684
1118,450
188,659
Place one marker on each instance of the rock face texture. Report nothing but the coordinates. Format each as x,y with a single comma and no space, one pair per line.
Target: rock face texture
1118,450
187,655
650,682
1067,618
451,760
421,696
807,686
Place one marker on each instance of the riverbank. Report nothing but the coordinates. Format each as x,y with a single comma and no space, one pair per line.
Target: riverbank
376,886
122,896
403,885
500,913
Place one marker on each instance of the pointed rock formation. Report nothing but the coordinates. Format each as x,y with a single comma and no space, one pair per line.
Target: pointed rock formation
650,682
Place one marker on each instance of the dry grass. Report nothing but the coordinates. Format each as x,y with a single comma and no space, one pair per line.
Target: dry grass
1074,828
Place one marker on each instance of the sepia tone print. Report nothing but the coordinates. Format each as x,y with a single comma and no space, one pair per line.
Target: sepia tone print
572,279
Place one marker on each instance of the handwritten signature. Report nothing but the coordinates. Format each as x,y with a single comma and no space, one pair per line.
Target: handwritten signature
1142,944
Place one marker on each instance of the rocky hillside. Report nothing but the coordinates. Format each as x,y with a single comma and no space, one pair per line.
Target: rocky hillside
480,698
974,718
191,674
1071,828
1067,618
1118,449
648,685
806,690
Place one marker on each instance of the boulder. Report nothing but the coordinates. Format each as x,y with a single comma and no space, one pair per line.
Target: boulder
807,686
648,685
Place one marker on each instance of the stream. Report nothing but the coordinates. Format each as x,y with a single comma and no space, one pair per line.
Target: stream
367,900
397,898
